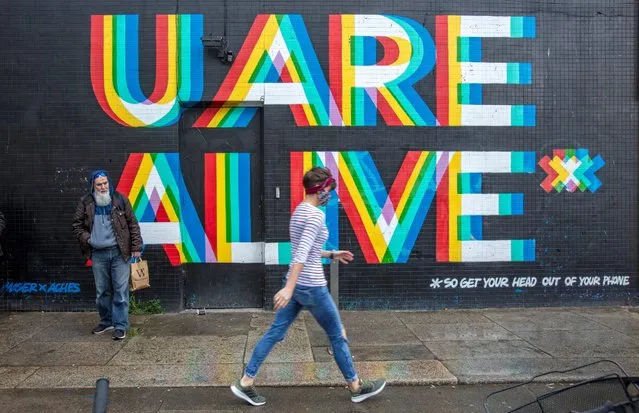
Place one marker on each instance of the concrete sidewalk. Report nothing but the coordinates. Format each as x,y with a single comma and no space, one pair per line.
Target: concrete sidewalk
56,350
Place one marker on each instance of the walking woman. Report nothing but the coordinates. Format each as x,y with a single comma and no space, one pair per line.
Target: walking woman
306,288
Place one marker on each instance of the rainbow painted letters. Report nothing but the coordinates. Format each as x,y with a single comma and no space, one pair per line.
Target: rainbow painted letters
277,65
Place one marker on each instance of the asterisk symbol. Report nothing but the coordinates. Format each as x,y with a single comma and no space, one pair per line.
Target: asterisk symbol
436,283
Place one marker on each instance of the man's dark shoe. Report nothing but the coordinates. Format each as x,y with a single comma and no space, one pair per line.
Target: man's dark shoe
119,334
368,389
101,329
248,393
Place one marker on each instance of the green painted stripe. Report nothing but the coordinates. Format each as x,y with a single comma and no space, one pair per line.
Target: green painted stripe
283,253
463,49
513,73
425,179
516,26
234,205
505,204
517,162
516,250
363,186
464,228
227,196
184,56
517,115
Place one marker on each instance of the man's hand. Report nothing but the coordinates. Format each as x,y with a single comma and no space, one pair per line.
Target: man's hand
136,254
281,298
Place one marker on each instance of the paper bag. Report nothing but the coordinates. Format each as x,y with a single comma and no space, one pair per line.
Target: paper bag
139,275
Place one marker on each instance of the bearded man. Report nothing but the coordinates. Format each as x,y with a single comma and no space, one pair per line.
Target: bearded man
109,235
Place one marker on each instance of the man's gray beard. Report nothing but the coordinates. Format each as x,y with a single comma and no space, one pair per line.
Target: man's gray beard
102,199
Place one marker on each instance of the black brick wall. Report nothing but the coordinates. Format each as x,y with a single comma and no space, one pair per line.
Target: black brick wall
584,57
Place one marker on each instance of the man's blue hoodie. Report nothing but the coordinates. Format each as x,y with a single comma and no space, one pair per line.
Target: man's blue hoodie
102,235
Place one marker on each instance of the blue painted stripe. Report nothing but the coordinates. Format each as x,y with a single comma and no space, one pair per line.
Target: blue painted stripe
529,115
530,27
517,204
476,227
244,178
474,46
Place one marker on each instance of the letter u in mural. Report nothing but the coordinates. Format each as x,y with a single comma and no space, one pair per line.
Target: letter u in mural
115,68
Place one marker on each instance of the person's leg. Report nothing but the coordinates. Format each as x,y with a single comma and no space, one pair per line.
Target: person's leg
243,388
103,291
327,316
120,274
276,333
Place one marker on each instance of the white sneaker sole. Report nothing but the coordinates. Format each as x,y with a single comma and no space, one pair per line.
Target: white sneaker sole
357,399
244,397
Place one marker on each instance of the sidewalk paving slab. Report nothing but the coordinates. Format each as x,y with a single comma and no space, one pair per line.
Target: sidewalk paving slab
56,350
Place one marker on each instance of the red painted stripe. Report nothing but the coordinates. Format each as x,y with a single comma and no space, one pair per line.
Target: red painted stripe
357,223
335,57
227,86
441,237
210,200
299,115
441,72
129,173
97,66
388,114
173,254
161,57
401,180
391,51
205,118
297,174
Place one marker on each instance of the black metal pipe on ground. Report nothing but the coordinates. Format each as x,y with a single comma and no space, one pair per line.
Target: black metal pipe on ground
101,399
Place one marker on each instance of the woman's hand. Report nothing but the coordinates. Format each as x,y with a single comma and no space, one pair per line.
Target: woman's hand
281,298
343,256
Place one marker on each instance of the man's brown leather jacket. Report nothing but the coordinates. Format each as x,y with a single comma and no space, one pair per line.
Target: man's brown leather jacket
125,225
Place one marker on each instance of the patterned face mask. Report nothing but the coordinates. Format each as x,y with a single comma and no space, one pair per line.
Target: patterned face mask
323,197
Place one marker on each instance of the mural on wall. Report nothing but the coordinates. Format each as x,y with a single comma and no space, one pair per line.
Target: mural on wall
155,185
277,65
571,169
374,64
115,68
461,71
386,222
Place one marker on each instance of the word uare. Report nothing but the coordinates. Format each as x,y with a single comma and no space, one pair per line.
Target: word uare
277,65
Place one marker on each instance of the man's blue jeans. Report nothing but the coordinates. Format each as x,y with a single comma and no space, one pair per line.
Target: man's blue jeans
318,302
111,275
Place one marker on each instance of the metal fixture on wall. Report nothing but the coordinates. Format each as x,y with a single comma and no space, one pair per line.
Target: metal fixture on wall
219,43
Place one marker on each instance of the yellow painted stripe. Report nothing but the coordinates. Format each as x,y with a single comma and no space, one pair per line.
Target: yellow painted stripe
171,90
223,247
397,108
411,183
454,208
182,256
348,71
308,161
109,91
141,177
263,44
372,229
454,71
219,115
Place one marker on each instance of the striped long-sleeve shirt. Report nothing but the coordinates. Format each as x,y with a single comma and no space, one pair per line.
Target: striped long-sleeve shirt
308,234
